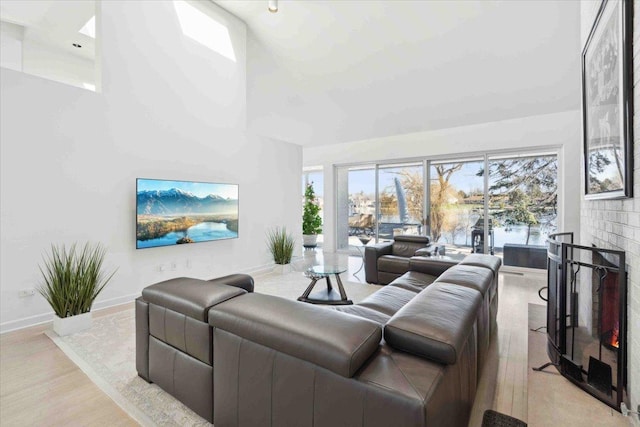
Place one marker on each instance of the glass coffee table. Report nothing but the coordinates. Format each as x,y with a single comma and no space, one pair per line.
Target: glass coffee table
329,295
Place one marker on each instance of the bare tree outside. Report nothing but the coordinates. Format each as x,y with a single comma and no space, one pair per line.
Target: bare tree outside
442,196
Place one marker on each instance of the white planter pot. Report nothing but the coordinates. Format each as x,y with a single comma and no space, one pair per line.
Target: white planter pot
309,240
70,325
282,268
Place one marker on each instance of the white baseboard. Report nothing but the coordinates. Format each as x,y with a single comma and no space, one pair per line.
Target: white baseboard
40,319
26,322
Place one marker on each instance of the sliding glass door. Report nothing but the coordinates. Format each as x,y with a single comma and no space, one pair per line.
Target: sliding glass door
356,204
316,179
523,206
484,204
456,205
401,199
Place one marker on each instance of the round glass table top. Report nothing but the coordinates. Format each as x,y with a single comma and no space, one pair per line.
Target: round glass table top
327,269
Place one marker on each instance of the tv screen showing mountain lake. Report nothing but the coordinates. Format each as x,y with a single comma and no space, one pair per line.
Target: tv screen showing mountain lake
180,212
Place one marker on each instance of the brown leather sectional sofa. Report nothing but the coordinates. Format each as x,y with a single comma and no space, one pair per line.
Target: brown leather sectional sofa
385,262
408,355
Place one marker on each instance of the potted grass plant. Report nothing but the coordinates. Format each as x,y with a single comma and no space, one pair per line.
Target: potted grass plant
72,279
311,220
281,245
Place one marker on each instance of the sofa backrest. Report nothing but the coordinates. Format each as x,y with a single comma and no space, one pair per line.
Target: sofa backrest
336,341
436,324
406,246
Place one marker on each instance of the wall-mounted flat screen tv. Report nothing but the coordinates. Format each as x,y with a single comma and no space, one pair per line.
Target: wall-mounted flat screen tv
178,212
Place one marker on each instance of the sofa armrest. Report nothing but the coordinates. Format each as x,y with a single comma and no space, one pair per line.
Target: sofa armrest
191,297
427,251
371,255
243,281
333,340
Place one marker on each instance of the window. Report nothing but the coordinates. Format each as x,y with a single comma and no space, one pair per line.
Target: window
456,197
315,177
514,205
202,28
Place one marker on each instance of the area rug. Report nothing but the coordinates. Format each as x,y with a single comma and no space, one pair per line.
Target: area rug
106,353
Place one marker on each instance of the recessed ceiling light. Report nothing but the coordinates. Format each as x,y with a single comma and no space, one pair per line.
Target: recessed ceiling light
77,45
273,6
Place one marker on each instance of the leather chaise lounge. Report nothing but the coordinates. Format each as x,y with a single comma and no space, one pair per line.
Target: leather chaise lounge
410,354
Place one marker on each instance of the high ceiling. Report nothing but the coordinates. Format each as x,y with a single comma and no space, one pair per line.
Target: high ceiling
322,72
52,23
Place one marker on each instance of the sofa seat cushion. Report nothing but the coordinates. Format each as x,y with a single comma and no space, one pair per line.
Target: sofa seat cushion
388,300
191,297
360,311
469,276
393,264
413,281
436,323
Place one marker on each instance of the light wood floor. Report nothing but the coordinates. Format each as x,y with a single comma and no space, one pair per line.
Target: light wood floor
503,385
40,386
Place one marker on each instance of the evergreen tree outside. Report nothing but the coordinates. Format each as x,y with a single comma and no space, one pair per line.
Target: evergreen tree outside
523,191
311,220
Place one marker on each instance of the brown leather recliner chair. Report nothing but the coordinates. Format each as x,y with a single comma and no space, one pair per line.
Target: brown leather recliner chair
174,341
387,261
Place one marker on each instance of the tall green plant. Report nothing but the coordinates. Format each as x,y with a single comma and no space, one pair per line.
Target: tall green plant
311,221
73,279
281,245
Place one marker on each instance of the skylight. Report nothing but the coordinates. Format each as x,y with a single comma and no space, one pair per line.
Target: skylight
204,29
89,29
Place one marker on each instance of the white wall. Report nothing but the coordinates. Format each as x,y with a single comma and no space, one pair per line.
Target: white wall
552,130
11,45
615,224
56,64
170,109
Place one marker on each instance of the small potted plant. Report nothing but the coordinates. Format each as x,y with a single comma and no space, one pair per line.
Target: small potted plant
71,282
311,220
281,245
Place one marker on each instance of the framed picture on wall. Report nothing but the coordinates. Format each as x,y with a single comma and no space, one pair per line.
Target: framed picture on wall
607,103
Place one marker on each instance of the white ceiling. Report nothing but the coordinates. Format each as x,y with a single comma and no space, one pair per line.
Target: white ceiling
321,72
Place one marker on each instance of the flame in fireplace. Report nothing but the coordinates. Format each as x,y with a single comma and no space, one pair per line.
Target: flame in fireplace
615,342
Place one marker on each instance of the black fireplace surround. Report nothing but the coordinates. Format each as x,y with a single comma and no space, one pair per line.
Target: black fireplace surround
586,317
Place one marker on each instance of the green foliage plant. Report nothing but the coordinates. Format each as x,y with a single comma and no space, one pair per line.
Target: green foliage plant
311,221
72,279
280,245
